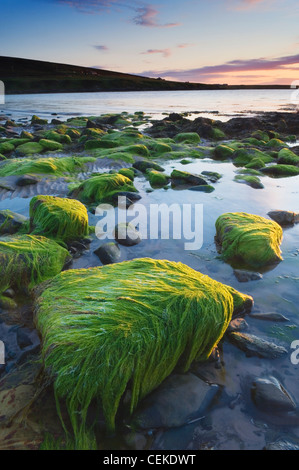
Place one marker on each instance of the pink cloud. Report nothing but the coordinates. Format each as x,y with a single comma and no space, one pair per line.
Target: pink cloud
165,52
147,16
232,67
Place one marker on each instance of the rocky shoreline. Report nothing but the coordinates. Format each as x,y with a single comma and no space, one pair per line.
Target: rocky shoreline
156,367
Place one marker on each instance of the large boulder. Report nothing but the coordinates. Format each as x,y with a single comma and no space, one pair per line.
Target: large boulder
61,218
126,326
27,260
249,239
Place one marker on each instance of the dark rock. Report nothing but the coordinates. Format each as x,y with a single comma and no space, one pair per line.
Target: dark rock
237,324
143,165
27,180
269,395
179,178
91,124
23,338
246,276
179,400
212,176
282,444
108,253
127,235
56,122
255,346
206,188
11,222
284,217
277,317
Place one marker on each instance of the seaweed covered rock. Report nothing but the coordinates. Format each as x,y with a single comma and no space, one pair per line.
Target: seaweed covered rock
55,217
249,239
102,188
11,222
126,326
27,260
48,166
179,178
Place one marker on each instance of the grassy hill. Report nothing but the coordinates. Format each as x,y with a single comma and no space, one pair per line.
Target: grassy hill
34,76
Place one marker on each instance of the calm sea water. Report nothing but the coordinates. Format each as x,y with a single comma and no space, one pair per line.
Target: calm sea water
221,104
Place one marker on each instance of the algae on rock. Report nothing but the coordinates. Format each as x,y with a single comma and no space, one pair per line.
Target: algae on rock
27,260
60,218
102,188
127,326
249,239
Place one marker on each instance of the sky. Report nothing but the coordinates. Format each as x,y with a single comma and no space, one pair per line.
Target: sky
214,41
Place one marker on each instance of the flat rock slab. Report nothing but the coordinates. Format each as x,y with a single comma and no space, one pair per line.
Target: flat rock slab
255,346
179,400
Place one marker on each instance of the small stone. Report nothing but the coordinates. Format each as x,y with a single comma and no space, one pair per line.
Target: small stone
108,253
284,217
269,394
277,317
127,235
238,324
27,180
255,346
23,338
282,444
246,276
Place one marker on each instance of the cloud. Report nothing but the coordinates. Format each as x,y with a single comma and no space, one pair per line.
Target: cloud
165,52
240,5
183,46
147,16
232,67
101,48
90,6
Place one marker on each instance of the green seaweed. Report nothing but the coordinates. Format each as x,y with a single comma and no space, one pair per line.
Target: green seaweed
248,238
127,325
27,260
58,218
102,188
48,166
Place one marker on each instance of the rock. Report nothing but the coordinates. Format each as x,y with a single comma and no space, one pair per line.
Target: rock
30,148
60,218
281,171
282,444
157,179
212,176
237,324
37,120
250,180
143,165
269,395
277,317
27,260
130,197
127,235
246,276
51,145
135,440
11,222
129,317
187,138
223,152
179,400
248,238
108,253
255,346
184,178
206,188
284,217
56,122
23,338
27,180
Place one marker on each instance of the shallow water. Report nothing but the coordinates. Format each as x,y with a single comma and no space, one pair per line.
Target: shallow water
218,104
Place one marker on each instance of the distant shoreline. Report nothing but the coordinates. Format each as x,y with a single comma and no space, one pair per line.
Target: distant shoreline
26,76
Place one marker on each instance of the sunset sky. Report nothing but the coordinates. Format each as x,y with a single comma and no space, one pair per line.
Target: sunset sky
215,41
